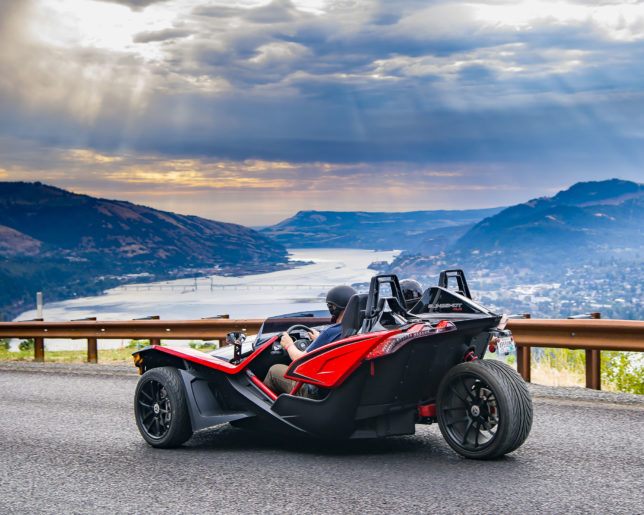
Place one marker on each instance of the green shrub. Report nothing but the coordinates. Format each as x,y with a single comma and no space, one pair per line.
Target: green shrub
620,371
203,345
26,345
4,344
624,371
137,344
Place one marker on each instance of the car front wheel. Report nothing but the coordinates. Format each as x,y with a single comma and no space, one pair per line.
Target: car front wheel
160,408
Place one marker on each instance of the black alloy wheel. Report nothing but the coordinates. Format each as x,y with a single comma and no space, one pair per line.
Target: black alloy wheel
480,412
160,408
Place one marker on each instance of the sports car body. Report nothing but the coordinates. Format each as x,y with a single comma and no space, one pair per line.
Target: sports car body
391,369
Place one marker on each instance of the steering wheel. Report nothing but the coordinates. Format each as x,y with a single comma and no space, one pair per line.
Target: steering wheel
300,335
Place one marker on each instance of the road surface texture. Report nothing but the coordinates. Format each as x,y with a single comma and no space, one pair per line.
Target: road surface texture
69,444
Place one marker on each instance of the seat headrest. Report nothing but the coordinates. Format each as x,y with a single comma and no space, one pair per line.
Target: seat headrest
354,314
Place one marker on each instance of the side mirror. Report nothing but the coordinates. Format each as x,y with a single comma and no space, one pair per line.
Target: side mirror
236,339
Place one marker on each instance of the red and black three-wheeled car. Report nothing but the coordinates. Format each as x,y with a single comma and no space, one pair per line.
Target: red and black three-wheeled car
391,369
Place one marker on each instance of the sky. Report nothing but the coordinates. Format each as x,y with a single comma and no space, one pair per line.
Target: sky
249,111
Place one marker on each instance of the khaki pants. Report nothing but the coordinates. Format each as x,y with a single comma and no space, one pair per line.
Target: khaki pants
276,381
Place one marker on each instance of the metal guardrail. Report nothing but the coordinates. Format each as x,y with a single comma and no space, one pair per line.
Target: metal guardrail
154,330
591,335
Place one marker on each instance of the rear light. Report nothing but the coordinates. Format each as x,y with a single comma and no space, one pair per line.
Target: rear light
427,410
389,346
395,342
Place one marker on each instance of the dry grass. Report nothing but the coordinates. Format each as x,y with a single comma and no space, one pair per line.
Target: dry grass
111,356
552,377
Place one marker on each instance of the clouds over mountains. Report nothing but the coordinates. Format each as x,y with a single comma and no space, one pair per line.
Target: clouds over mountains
495,87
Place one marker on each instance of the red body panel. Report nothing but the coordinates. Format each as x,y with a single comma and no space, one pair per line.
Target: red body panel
210,361
330,365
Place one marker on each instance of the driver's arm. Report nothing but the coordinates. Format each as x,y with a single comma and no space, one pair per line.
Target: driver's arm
287,344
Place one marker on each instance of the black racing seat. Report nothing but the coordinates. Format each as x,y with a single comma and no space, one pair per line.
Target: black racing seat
394,306
354,314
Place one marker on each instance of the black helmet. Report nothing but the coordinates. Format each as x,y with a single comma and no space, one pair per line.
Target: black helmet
412,291
339,295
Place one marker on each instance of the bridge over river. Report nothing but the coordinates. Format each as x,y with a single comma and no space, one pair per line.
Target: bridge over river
205,284
69,444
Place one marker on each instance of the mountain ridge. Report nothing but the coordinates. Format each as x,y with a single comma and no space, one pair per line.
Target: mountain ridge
46,232
587,224
132,234
584,214
419,230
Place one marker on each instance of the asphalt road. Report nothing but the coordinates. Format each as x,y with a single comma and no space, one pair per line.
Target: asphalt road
69,444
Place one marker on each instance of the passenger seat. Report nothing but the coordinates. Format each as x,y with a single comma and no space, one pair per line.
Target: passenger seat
354,314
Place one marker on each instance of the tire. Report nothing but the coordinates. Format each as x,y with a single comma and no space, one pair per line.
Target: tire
523,399
482,411
160,408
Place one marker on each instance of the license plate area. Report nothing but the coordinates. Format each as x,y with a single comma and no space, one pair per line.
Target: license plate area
505,344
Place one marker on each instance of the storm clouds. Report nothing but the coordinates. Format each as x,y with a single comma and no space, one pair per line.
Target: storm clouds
191,105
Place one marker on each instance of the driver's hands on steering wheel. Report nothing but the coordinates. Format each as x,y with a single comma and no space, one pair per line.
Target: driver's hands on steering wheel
286,341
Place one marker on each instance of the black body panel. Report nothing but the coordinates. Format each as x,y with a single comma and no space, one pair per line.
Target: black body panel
331,417
204,408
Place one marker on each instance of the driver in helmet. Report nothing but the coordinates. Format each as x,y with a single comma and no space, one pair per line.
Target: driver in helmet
412,292
336,300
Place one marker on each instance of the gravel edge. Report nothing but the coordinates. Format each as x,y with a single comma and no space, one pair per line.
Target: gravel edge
575,393
116,368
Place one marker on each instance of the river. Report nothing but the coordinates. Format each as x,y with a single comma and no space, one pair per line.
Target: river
251,296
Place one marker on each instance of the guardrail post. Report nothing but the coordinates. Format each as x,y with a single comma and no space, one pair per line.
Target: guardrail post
523,353
92,347
593,358
153,341
593,369
39,349
594,365
39,345
524,362
92,350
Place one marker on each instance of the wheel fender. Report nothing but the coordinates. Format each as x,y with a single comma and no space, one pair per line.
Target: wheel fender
204,408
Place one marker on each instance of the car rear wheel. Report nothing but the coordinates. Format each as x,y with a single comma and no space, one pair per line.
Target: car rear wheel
160,408
482,411
523,400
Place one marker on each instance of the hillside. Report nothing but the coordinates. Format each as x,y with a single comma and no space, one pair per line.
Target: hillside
425,231
587,223
589,219
74,244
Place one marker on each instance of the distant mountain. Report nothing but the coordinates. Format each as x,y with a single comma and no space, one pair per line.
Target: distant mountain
603,217
591,222
425,231
614,191
72,244
122,233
